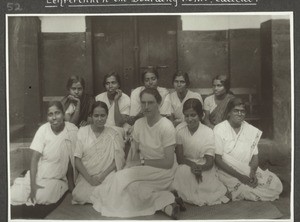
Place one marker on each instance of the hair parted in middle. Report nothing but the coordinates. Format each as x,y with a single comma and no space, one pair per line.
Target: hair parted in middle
185,75
99,104
224,79
194,104
57,104
113,73
150,69
235,101
75,79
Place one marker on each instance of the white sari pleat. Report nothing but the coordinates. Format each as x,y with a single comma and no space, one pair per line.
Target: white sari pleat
97,157
238,156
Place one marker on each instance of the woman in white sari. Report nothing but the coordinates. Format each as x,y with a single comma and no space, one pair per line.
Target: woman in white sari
142,188
196,179
237,158
46,182
99,152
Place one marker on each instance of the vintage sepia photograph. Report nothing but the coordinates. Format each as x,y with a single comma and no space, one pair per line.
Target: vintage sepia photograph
179,116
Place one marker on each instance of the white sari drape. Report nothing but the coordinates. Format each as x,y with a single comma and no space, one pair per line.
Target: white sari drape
52,167
237,151
96,154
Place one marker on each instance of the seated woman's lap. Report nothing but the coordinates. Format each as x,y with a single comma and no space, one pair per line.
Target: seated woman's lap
82,191
148,174
51,192
185,181
262,192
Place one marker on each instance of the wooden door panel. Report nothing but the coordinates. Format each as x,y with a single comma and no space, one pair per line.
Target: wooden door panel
115,42
158,45
63,55
113,50
108,57
245,58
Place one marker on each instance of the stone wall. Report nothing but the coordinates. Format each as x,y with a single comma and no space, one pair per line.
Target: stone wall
276,80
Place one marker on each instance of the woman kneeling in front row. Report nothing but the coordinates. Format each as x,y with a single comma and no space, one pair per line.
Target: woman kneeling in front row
237,158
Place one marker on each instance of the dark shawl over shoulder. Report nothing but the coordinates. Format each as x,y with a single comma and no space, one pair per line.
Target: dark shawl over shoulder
219,113
86,103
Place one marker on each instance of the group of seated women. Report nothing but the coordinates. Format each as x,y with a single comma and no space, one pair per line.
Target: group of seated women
211,157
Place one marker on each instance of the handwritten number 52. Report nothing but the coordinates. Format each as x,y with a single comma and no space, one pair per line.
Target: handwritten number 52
13,7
